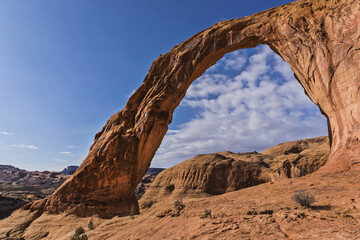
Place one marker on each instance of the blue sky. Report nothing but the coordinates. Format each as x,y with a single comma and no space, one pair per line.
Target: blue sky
67,66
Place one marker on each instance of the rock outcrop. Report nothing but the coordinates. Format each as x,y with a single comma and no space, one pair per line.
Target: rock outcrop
70,170
146,181
320,41
218,173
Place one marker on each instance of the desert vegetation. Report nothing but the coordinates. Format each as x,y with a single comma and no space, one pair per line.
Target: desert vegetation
304,198
79,234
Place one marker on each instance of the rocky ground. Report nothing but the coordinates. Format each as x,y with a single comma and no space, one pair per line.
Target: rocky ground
265,211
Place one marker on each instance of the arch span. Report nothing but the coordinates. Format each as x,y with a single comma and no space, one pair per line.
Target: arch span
319,40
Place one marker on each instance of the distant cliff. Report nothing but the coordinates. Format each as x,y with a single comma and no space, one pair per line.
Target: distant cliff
19,187
70,170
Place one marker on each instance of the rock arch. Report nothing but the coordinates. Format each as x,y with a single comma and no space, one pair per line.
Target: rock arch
320,41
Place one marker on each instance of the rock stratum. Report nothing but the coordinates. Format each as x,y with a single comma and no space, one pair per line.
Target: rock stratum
318,39
218,173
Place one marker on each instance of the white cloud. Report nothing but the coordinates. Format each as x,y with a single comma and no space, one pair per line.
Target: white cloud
73,146
6,133
66,153
24,146
58,160
235,61
252,110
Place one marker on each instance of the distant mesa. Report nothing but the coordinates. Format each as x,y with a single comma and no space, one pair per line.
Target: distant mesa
69,170
154,171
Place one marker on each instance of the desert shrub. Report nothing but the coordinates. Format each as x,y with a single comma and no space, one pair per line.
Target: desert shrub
83,237
304,198
132,211
79,231
206,214
79,234
179,205
148,204
91,225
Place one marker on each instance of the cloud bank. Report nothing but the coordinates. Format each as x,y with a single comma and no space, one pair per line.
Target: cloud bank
72,146
66,153
32,147
6,133
248,101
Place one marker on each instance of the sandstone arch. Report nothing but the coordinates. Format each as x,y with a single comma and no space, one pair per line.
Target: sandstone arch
320,41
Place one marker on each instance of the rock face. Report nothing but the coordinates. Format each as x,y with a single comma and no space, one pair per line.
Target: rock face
70,170
146,181
218,173
320,41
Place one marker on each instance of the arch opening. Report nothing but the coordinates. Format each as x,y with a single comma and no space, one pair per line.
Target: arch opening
248,101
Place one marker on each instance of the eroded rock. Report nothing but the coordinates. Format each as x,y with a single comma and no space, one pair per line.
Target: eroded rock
218,173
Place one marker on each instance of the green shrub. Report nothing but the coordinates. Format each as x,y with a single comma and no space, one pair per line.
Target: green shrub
79,231
91,225
79,234
83,237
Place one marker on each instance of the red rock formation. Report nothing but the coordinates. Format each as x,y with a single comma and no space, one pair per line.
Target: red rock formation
218,173
320,41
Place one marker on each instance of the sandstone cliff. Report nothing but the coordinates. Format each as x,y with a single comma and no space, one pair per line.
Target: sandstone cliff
218,173
320,41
